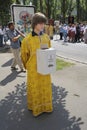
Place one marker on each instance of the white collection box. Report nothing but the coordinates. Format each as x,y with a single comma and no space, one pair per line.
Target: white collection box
46,61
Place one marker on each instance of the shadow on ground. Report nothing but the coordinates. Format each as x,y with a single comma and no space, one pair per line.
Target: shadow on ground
15,116
7,63
12,76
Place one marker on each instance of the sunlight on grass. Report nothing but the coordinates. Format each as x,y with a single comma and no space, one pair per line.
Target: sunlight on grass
60,64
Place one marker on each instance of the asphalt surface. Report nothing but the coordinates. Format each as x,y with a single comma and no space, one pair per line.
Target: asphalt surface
69,99
73,51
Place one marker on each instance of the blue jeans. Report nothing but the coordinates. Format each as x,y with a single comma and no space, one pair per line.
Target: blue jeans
65,37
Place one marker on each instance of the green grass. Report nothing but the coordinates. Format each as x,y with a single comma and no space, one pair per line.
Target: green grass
60,64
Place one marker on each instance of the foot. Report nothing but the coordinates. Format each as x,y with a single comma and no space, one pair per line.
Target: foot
22,70
13,68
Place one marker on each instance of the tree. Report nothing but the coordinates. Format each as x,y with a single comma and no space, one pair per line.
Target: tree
35,3
71,6
83,10
41,5
56,9
86,9
17,1
64,8
24,1
78,10
5,11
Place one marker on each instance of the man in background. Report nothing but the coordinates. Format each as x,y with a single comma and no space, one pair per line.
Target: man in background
14,36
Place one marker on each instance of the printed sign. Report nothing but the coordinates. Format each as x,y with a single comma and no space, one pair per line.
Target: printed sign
22,16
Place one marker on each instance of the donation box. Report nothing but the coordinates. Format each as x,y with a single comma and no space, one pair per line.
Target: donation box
46,61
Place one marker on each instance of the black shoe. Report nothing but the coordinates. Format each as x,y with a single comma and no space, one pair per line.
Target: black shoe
13,68
22,70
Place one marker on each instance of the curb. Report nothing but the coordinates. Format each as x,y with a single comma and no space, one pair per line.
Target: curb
72,59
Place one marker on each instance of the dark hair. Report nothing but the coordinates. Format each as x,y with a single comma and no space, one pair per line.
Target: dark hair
10,23
38,18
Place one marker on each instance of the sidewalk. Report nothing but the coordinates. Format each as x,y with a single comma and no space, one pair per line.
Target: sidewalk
69,100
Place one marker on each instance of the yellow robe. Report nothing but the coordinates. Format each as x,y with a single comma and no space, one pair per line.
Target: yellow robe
51,31
39,89
47,29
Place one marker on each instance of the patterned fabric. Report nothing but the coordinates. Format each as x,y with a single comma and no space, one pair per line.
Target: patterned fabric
39,89
50,30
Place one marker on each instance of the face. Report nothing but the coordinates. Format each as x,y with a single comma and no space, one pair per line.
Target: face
12,26
40,27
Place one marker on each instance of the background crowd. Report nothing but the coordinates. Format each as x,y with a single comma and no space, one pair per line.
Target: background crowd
68,32
72,33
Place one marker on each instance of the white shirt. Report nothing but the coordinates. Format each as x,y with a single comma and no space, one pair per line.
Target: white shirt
73,29
1,32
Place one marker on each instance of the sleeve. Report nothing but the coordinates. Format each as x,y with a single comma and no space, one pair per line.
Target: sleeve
10,35
25,52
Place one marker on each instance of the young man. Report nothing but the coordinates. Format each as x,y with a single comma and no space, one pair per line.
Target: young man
14,36
39,89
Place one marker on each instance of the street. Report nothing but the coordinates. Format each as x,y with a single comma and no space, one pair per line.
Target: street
74,51
69,94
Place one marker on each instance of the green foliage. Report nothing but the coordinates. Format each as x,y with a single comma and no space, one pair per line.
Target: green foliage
56,9
5,11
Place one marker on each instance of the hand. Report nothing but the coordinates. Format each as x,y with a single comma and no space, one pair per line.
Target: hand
16,38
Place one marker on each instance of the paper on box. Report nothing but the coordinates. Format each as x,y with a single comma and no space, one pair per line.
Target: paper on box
46,61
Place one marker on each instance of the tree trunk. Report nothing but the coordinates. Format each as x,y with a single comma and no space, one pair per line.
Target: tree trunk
24,2
78,10
63,9
41,7
86,10
48,9
35,4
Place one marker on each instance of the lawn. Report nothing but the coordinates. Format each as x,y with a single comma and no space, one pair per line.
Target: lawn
60,64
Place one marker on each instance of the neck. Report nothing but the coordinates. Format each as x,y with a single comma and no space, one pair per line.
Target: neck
36,31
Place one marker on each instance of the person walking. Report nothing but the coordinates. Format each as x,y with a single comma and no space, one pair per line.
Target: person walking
65,31
51,31
39,88
61,31
73,33
77,36
1,36
14,36
85,36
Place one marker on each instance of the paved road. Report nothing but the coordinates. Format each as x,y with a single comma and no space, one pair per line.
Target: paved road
74,51
69,99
